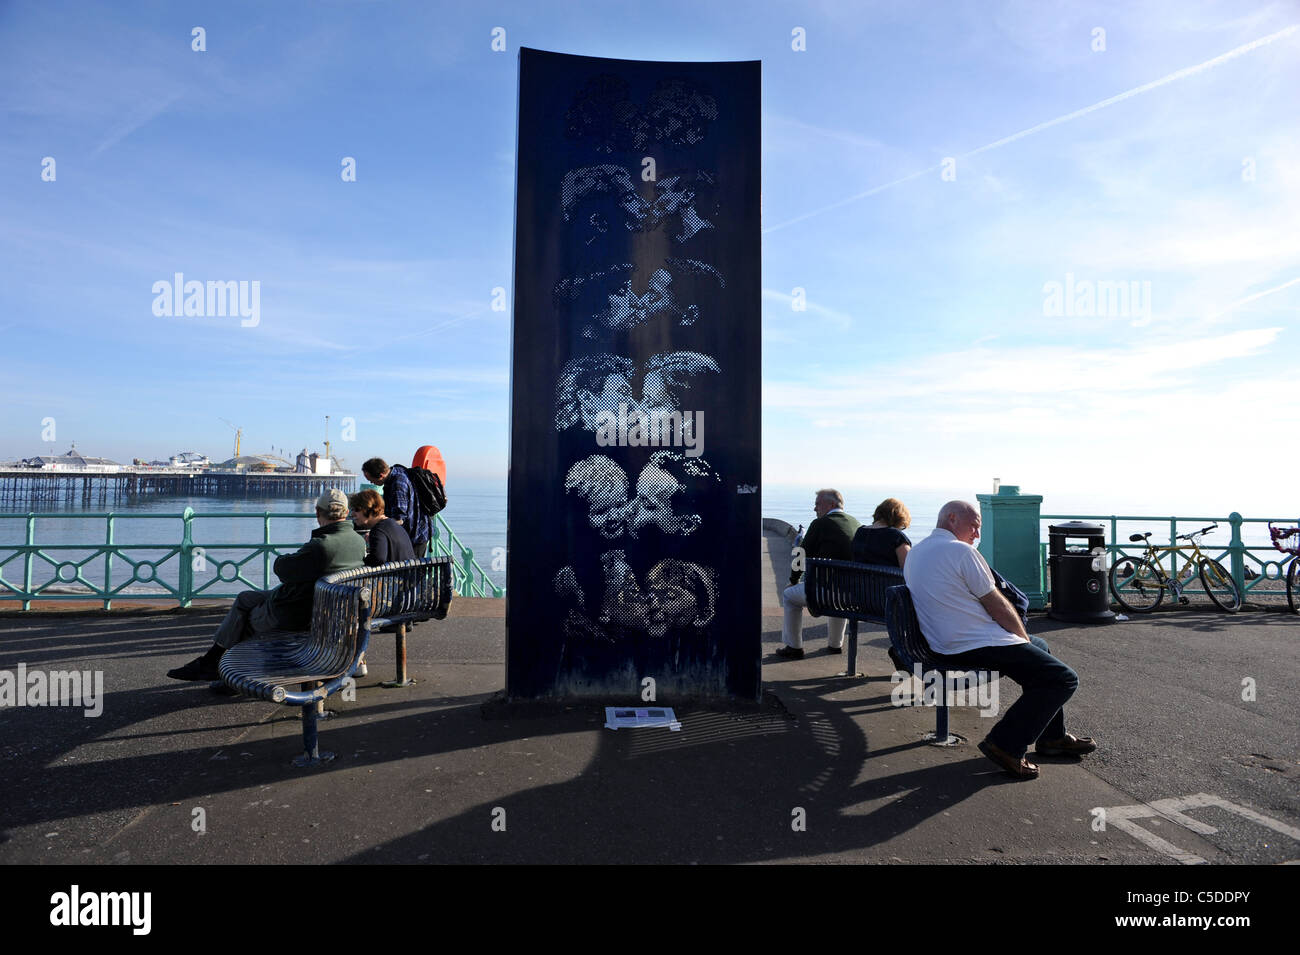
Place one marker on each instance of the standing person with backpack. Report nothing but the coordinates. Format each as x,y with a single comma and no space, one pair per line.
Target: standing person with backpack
401,502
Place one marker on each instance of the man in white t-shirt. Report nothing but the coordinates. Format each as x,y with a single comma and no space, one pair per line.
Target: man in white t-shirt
971,626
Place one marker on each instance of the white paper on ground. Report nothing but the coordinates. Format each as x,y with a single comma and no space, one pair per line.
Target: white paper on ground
628,717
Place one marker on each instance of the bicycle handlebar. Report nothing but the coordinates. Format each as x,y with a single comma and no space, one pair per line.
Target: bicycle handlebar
1203,530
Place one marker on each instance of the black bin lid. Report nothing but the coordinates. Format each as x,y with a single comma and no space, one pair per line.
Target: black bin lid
1076,529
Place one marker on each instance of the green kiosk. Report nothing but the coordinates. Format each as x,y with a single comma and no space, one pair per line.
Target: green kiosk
1009,539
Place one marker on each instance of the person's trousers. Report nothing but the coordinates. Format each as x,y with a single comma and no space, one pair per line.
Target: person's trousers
248,616
421,549
1045,684
794,600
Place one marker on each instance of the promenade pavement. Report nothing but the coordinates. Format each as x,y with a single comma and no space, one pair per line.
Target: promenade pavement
1188,769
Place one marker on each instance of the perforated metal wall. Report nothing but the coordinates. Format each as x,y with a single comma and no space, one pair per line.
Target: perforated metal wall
634,520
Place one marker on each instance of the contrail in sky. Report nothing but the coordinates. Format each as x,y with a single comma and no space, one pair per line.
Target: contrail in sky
1257,295
134,121
1120,97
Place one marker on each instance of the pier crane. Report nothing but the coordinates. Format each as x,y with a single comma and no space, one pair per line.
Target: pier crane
239,433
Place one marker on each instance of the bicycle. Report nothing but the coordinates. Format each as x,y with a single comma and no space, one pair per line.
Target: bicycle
1140,583
1280,534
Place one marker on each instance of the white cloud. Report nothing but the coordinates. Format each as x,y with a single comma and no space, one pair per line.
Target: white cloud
999,377
1050,418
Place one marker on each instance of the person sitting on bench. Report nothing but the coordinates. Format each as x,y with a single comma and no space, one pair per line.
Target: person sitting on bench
829,536
386,540
971,626
334,546
400,502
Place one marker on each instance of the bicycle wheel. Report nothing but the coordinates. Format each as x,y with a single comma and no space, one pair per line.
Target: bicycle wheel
1293,585
1137,584
1220,586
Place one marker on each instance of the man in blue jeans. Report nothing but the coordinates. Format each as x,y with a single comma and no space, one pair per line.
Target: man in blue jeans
971,626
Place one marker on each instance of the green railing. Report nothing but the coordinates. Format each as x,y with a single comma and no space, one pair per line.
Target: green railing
1269,565
185,571
446,543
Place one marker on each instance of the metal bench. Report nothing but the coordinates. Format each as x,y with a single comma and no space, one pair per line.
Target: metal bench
911,646
856,592
345,608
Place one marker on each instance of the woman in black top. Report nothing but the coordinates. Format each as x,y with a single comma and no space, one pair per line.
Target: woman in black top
386,540
883,541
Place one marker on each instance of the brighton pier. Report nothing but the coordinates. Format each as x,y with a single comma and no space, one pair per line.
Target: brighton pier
35,487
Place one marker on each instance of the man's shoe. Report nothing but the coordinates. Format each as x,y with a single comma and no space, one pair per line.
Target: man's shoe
834,649
1069,746
200,668
1019,768
789,652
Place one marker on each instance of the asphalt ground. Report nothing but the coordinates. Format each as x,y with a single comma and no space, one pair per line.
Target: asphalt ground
420,771
1195,713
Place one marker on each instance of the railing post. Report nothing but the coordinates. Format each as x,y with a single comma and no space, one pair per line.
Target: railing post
1236,553
108,561
467,559
1173,542
1042,568
186,575
266,550
27,561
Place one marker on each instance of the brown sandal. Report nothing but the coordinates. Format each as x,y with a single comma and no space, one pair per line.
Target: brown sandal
1019,768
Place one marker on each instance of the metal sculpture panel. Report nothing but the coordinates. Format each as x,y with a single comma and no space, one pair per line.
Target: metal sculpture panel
635,424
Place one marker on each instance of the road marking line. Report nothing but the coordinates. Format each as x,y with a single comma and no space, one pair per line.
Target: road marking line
1125,819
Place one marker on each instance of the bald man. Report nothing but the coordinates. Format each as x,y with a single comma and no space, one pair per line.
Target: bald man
971,626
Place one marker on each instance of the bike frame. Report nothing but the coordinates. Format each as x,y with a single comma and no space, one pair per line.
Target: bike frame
1176,579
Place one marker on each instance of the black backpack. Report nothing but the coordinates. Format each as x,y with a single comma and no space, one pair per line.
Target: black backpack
429,492
1015,596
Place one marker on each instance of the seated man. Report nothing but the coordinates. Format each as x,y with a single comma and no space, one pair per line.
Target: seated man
971,626
334,546
829,536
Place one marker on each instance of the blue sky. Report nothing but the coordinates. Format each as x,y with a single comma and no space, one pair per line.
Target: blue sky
928,354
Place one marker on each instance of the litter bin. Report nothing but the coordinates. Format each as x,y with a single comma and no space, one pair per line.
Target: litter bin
1078,572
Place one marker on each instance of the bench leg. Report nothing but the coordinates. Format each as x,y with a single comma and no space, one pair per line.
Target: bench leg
941,736
402,679
851,661
321,712
312,755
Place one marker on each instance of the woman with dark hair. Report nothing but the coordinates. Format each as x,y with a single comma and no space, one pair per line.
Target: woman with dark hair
883,541
386,542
